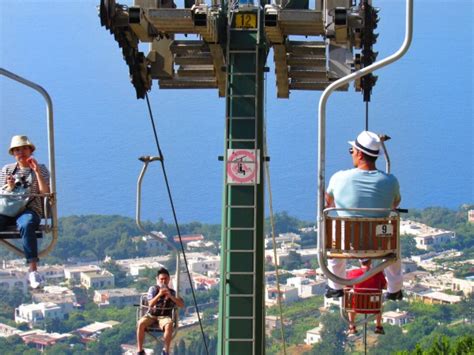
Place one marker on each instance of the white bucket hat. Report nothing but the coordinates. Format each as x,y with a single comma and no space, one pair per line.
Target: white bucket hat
20,141
367,142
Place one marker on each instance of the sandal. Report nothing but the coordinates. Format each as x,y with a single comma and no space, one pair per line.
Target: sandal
352,329
379,330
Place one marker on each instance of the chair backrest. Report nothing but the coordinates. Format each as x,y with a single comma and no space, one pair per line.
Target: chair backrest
361,237
366,301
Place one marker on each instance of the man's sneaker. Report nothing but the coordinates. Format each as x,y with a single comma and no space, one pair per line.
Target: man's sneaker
332,293
395,296
164,352
141,352
36,279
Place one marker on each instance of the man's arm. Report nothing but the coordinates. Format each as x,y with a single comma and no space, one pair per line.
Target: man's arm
396,201
329,200
178,301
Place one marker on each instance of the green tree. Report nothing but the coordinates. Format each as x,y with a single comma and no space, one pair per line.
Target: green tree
332,336
182,346
294,261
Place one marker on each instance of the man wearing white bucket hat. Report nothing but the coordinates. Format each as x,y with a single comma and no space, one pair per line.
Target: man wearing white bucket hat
364,187
26,171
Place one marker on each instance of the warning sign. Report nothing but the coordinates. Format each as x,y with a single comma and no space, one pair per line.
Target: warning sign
242,166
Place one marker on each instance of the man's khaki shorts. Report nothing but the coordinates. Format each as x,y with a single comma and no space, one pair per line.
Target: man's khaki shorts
161,321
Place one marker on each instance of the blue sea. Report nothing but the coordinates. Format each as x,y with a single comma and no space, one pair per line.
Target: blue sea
424,102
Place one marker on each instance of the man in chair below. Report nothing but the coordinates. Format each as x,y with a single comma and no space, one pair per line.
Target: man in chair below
364,187
27,175
161,301
375,283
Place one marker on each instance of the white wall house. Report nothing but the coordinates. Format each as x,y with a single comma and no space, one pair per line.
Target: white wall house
395,318
205,266
464,285
37,313
97,279
10,280
73,274
118,297
288,294
425,236
313,336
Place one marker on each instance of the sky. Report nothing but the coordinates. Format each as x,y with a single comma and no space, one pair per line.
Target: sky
424,101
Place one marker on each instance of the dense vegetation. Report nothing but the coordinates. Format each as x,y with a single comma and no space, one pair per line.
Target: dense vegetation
433,330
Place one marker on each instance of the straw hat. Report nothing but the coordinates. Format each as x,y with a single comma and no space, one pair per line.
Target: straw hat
367,142
20,141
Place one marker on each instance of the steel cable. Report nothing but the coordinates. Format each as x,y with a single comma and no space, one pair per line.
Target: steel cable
162,160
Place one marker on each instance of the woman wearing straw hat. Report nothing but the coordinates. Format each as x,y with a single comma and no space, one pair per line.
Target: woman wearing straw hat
26,168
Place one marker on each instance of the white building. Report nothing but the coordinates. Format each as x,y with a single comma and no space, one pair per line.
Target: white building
92,331
313,336
283,238
97,279
470,216
137,266
208,265
61,296
425,237
287,294
283,255
73,274
395,317
464,285
7,331
153,244
118,297
37,313
306,287
10,280
53,274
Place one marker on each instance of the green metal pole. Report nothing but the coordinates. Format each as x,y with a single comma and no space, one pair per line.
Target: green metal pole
242,308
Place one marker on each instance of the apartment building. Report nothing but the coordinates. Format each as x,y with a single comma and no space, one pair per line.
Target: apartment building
37,313
97,279
117,297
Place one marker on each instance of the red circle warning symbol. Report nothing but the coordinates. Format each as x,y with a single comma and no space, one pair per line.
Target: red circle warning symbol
242,166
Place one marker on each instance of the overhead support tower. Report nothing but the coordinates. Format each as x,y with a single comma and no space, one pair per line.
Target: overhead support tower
311,48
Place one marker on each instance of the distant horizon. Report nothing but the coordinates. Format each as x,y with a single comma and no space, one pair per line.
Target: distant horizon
266,215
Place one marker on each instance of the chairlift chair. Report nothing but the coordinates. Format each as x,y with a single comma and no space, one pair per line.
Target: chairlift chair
49,222
357,237
367,301
154,330
143,306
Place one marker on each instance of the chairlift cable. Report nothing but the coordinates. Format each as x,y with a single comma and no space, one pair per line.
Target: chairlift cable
272,224
162,160
367,115
365,336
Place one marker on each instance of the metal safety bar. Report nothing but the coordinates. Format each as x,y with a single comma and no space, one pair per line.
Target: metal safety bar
51,196
322,141
147,160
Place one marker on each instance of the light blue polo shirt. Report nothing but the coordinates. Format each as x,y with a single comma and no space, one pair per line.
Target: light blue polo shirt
356,188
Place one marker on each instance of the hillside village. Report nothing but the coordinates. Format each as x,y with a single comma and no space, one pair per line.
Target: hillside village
429,277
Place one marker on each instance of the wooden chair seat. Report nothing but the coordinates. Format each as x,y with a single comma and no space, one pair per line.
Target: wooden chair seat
365,301
361,237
